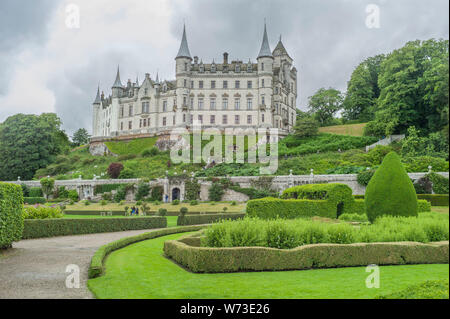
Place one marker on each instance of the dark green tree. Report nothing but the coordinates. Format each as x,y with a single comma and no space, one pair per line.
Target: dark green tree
306,126
80,137
324,104
30,142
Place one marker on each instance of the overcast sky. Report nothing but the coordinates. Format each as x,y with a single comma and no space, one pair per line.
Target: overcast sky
46,66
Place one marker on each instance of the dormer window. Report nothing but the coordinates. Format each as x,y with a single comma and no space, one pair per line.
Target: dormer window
213,68
238,68
202,68
249,68
145,91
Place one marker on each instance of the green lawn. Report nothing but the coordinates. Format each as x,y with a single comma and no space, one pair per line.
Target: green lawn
141,271
348,129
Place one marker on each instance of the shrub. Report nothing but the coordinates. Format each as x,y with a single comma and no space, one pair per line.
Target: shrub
435,200
225,209
162,212
107,196
143,190
67,227
42,212
104,188
73,195
157,193
11,216
233,203
62,192
87,203
423,186
432,289
152,151
440,183
34,200
114,170
126,157
47,185
364,177
25,190
103,202
423,206
156,203
215,192
193,202
139,203
390,191
127,173
192,189
120,194
35,192
176,202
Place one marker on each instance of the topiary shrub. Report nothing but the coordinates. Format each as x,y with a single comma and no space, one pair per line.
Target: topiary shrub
390,191
216,192
11,214
176,202
114,170
162,212
73,195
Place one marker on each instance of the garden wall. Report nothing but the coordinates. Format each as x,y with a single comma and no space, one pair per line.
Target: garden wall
218,260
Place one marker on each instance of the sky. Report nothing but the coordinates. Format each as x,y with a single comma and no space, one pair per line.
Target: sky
54,53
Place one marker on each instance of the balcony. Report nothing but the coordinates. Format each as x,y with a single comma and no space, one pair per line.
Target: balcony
262,107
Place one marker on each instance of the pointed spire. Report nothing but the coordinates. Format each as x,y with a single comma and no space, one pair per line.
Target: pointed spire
137,80
280,49
265,48
97,98
157,76
117,83
183,52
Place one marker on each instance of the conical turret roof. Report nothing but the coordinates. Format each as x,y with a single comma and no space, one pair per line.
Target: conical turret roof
117,83
98,100
184,52
265,47
280,49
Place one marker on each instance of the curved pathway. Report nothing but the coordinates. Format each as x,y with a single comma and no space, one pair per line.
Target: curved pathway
36,268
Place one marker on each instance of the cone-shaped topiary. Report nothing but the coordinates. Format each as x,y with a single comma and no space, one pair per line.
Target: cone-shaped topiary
390,191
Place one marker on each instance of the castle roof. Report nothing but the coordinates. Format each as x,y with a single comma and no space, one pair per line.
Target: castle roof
265,47
280,49
183,52
98,100
117,83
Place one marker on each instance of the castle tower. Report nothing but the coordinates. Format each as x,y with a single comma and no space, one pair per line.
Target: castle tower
265,74
96,116
117,88
183,72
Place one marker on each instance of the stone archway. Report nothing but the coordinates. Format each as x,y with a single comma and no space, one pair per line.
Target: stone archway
176,194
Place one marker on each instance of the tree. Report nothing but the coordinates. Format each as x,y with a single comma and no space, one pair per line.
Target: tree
390,191
114,170
324,104
30,142
306,126
413,85
80,137
363,91
47,185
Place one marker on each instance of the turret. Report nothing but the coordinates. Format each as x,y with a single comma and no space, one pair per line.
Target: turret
265,73
183,58
117,88
96,113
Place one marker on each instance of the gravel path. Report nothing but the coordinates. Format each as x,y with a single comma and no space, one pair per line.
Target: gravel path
36,268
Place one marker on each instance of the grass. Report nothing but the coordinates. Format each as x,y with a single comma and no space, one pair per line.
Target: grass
141,271
431,289
135,146
440,209
348,129
201,207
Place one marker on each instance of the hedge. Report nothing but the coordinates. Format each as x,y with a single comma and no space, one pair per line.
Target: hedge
94,212
34,200
219,260
96,267
39,228
105,188
11,214
435,200
201,219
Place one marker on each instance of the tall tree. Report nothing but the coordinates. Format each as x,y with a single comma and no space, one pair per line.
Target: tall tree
363,90
80,137
413,85
324,104
29,142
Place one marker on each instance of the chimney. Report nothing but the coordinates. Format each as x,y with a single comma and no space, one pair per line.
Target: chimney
225,58
196,60
147,75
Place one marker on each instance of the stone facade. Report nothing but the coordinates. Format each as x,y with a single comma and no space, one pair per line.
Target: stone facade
227,94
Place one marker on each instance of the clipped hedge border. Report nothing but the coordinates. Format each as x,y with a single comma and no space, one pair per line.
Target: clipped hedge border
34,200
94,212
207,218
220,260
40,228
435,199
96,267
11,214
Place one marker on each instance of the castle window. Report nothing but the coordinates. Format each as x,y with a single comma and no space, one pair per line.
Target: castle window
185,66
224,119
262,118
202,68
130,110
236,119
164,106
184,118
200,119
200,84
130,125
192,103
140,123
174,120
263,100
213,84
192,84
249,119
225,84
262,66
213,104
121,126
237,84
121,111
249,84
225,103
145,91
249,68
184,101
212,119
164,121
145,107
213,68
238,68
237,104
200,104
249,104
276,90
192,119
184,83
145,122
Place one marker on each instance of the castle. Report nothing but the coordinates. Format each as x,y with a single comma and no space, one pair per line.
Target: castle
223,95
